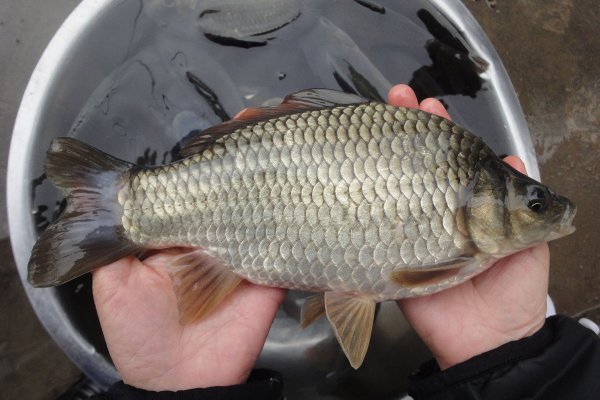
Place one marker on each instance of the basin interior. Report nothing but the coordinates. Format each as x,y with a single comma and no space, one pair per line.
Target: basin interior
146,75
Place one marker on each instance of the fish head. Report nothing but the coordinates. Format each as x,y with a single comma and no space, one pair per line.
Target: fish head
509,211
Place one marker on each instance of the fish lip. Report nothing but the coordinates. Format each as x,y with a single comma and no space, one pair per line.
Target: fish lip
564,226
569,215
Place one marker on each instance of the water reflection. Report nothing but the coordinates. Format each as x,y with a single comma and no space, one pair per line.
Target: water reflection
453,70
372,6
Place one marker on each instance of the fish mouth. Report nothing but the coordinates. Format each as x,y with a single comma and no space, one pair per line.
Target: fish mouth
565,227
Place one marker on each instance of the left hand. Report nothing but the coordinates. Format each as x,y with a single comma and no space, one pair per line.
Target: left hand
504,303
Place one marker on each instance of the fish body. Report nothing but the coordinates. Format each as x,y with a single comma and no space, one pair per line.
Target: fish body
361,201
241,24
334,199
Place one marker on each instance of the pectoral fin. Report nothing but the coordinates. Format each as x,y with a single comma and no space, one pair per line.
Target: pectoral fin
352,320
201,282
429,274
312,309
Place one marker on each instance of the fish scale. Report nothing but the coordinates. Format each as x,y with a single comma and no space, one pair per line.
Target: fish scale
331,199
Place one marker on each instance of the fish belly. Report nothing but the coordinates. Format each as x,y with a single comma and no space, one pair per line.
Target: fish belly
335,199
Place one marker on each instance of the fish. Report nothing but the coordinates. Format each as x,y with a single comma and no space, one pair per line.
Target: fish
340,61
234,23
355,200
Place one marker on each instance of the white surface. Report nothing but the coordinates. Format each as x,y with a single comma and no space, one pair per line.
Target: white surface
26,27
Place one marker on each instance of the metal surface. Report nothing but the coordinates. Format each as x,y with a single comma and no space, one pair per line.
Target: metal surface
91,43
508,104
33,111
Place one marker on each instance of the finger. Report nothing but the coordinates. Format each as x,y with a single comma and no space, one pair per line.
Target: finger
516,163
109,279
403,96
116,271
170,251
434,106
259,299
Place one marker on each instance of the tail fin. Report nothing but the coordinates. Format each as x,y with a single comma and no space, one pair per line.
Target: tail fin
89,233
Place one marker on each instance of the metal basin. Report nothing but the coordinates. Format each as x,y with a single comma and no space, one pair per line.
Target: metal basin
134,78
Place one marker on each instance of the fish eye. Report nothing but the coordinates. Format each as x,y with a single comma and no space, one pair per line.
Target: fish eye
537,199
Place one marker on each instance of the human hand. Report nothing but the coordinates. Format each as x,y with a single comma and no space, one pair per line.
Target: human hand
151,350
504,303
138,313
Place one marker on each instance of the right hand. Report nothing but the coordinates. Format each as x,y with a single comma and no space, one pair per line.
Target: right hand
152,351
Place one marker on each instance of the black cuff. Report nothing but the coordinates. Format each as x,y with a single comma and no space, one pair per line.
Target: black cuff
261,385
560,354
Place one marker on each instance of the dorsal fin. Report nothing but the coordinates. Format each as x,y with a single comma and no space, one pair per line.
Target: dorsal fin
323,98
305,100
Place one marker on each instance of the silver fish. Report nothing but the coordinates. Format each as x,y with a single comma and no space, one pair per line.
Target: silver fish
359,201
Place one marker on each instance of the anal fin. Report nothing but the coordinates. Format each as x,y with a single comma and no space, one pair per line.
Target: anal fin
201,282
352,320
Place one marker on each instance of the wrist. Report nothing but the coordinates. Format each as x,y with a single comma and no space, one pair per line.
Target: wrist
184,377
261,383
174,385
483,340
181,384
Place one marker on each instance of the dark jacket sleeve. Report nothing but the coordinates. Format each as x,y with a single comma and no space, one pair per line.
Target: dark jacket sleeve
560,361
261,385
